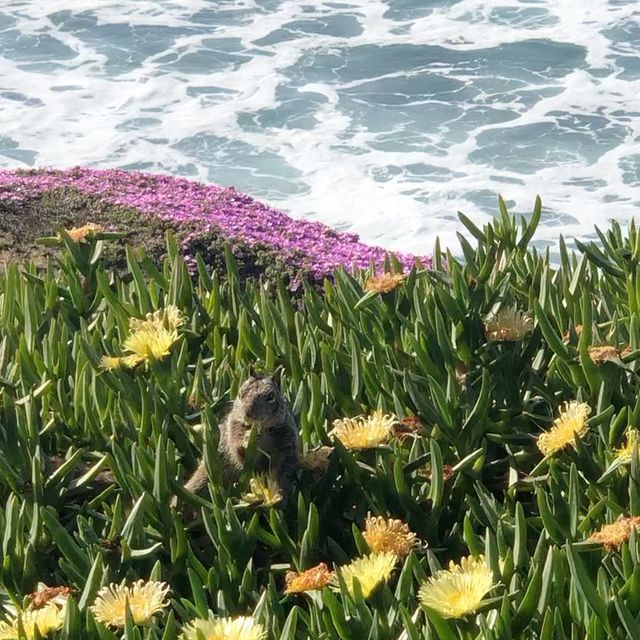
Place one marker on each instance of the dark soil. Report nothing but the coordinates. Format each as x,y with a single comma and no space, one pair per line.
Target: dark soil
21,224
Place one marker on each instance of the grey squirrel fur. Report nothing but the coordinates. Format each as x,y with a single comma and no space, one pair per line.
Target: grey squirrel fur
259,402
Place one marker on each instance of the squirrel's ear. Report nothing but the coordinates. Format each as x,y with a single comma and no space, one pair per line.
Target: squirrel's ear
252,372
277,375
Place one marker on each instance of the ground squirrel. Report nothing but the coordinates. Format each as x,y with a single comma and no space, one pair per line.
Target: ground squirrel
259,402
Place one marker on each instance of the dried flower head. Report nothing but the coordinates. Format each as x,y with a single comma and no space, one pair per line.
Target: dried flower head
47,619
625,453
369,571
427,472
264,491
145,600
409,426
385,282
508,325
240,628
364,432
387,534
312,579
571,423
43,595
603,353
80,234
611,536
317,459
459,590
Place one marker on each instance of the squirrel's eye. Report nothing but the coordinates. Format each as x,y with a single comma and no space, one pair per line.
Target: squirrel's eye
271,397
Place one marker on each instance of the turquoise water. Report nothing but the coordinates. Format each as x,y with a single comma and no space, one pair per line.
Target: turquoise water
381,118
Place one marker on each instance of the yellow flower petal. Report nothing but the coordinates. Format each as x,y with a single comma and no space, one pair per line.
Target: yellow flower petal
47,619
264,491
364,433
369,571
508,325
571,422
145,600
240,628
458,591
387,534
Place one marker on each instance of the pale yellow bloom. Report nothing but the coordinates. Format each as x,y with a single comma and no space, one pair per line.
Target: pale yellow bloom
240,628
169,318
387,534
508,325
364,432
626,453
150,345
613,535
369,571
571,422
145,600
47,619
264,491
80,234
455,592
310,580
110,363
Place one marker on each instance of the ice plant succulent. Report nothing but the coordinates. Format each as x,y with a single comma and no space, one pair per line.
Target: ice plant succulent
571,423
145,599
263,491
369,571
46,619
387,534
508,325
212,628
312,579
364,432
459,590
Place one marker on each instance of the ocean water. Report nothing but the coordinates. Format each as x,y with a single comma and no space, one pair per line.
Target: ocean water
383,118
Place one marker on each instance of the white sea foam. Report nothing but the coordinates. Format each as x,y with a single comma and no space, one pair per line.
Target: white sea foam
373,117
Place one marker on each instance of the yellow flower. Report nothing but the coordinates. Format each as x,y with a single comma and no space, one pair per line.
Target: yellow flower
613,535
571,422
364,433
459,590
145,599
80,234
150,345
264,491
626,453
370,571
508,325
110,363
47,619
385,282
170,318
315,578
241,628
387,534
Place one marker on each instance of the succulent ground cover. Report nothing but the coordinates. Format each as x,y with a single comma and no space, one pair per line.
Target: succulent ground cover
470,460
202,217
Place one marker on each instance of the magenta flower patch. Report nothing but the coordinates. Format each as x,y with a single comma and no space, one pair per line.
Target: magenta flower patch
302,243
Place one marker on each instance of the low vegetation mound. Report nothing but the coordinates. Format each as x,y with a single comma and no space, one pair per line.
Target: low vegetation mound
470,463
